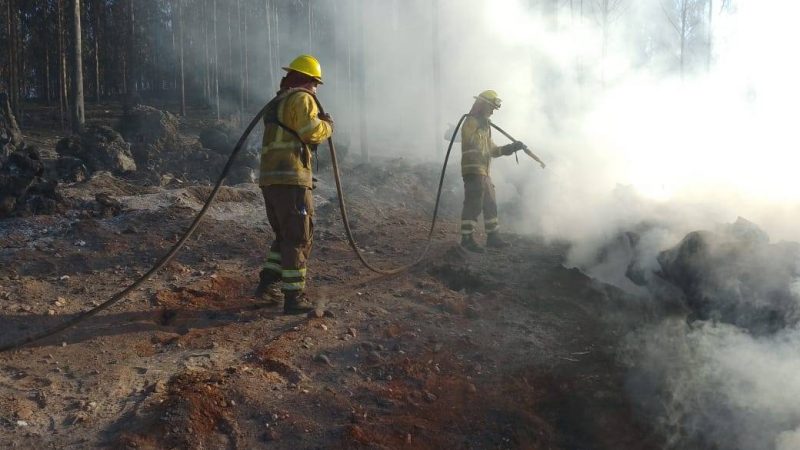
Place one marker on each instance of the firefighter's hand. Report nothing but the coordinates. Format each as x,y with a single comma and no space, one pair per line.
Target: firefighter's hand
326,117
513,147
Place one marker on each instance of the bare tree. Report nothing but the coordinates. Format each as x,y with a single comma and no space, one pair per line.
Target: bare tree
270,56
216,63
606,13
77,69
96,10
724,5
62,65
683,15
436,75
180,43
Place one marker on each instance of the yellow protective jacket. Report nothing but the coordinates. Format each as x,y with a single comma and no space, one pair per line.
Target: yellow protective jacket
284,159
477,148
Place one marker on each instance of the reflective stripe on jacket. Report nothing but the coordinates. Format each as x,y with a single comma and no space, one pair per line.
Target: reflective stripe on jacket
284,159
477,148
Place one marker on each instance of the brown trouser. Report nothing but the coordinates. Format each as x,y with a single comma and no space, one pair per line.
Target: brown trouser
290,210
478,197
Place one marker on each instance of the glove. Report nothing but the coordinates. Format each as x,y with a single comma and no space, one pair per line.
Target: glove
509,149
326,117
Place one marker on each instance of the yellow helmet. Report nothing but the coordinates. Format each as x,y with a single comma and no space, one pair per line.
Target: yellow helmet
307,65
490,97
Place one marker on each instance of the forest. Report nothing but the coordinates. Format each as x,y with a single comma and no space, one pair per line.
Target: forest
225,56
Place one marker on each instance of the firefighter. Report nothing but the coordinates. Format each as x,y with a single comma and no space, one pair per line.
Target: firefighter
477,151
293,127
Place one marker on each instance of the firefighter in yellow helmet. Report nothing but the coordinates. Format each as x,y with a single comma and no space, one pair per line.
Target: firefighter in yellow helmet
293,126
477,151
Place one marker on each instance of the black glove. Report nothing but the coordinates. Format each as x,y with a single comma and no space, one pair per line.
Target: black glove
509,149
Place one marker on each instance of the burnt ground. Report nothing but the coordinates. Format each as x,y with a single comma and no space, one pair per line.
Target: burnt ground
504,350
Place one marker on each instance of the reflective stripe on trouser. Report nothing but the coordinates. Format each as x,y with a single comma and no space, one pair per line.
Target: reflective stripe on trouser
491,225
273,263
290,210
468,226
293,279
479,197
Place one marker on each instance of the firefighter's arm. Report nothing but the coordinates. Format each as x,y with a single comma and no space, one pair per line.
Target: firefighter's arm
309,126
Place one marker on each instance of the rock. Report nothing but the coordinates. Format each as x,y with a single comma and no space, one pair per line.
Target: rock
735,276
352,331
22,423
321,358
271,435
108,206
374,357
160,387
100,148
316,314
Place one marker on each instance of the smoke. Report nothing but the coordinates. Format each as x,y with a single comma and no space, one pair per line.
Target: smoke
717,386
632,142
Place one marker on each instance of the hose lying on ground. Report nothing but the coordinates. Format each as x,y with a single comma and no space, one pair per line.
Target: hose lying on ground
80,317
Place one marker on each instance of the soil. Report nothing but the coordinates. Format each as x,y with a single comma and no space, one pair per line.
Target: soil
509,349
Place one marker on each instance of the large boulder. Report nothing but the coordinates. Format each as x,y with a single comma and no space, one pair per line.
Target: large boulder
734,275
100,148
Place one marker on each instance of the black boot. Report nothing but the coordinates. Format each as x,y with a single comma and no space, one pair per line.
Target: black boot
494,240
268,290
296,302
468,242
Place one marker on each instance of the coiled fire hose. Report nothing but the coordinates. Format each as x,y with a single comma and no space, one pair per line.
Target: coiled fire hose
80,317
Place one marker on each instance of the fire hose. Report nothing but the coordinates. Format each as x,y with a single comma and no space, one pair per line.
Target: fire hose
80,317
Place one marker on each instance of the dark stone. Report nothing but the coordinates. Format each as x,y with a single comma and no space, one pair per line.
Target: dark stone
736,276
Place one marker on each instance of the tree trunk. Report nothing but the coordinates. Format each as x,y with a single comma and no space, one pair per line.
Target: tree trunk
78,118
8,121
131,59
246,86
270,56
710,49
180,41
241,56
62,100
437,88
47,71
362,88
13,56
229,65
310,26
216,63
684,11
96,50
207,63
277,16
